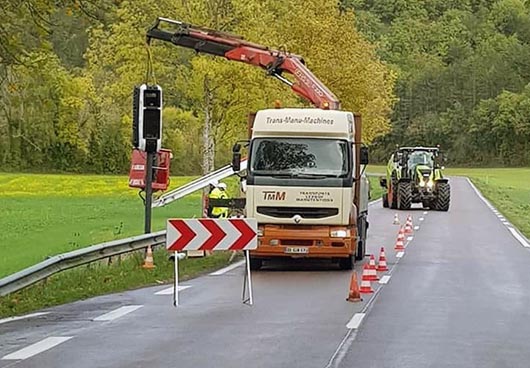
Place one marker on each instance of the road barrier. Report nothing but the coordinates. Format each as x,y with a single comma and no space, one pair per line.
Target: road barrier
65,261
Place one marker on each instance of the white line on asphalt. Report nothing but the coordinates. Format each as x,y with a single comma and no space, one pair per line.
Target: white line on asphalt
37,348
425,212
169,290
117,313
11,319
519,238
416,227
400,254
385,279
374,202
355,321
421,219
410,238
222,271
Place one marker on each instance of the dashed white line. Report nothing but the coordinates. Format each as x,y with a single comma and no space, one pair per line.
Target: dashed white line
400,254
222,271
519,238
425,212
416,227
355,321
421,219
117,313
410,238
11,319
169,290
385,279
37,348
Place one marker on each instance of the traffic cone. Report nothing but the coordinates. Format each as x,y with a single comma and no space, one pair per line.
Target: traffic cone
396,220
400,246
366,286
381,265
149,262
408,225
355,294
372,269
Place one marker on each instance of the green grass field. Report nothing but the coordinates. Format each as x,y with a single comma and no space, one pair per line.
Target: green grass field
508,189
44,215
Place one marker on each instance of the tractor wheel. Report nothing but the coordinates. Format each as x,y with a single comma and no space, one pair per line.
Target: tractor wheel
404,196
385,200
443,198
361,243
393,201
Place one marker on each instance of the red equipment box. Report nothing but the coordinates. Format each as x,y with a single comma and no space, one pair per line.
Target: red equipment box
160,168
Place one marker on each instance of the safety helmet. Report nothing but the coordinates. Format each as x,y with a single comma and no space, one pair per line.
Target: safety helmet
222,186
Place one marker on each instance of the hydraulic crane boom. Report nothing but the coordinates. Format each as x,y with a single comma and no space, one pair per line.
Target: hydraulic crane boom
235,48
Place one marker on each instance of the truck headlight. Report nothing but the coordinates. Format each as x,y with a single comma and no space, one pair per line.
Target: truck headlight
339,234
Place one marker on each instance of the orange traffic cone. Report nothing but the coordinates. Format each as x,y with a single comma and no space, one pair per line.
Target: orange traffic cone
366,286
355,294
381,266
400,246
396,220
408,225
149,262
372,269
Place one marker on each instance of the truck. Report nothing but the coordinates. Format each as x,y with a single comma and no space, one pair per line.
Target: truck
414,175
305,181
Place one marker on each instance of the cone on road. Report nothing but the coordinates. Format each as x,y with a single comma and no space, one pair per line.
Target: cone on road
372,269
396,220
400,245
408,226
381,265
366,286
149,262
354,294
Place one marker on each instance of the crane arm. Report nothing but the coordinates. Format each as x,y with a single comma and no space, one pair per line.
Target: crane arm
235,48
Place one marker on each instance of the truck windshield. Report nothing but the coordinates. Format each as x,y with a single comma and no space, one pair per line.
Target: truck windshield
299,157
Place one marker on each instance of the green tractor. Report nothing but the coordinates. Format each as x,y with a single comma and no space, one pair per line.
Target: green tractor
414,175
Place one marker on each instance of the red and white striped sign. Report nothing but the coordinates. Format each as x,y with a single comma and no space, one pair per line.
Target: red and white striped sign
207,234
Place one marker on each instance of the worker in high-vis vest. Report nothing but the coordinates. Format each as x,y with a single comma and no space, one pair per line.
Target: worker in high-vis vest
219,192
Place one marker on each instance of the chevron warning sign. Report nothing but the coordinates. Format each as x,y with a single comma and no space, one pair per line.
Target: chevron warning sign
208,234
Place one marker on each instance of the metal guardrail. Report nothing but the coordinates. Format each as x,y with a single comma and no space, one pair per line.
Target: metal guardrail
65,261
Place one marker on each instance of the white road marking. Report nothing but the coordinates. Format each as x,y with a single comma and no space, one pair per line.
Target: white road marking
416,227
222,271
11,319
519,238
37,348
421,219
400,254
410,238
117,313
355,321
425,212
169,290
385,279
374,202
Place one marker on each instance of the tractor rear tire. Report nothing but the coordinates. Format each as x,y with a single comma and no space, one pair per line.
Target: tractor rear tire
443,198
394,202
404,196
385,200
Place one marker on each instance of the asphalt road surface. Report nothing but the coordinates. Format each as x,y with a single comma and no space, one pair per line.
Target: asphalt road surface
458,297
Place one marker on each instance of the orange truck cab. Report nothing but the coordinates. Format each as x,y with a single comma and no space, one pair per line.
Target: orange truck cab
305,186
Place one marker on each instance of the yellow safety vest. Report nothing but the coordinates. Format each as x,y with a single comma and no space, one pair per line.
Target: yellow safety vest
220,212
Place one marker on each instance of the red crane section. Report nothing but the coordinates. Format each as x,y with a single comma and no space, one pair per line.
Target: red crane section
235,48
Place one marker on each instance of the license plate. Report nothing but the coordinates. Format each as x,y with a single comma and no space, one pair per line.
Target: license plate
297,250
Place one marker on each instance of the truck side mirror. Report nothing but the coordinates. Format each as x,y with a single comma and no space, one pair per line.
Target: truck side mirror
364,156
236,157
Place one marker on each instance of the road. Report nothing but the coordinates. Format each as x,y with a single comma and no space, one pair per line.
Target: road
457,298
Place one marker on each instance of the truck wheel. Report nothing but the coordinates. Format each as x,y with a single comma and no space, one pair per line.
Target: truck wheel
361,243
346,263
255,264
385,200
404,196
443,198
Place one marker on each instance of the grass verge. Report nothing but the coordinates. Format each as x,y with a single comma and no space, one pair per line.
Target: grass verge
103,278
